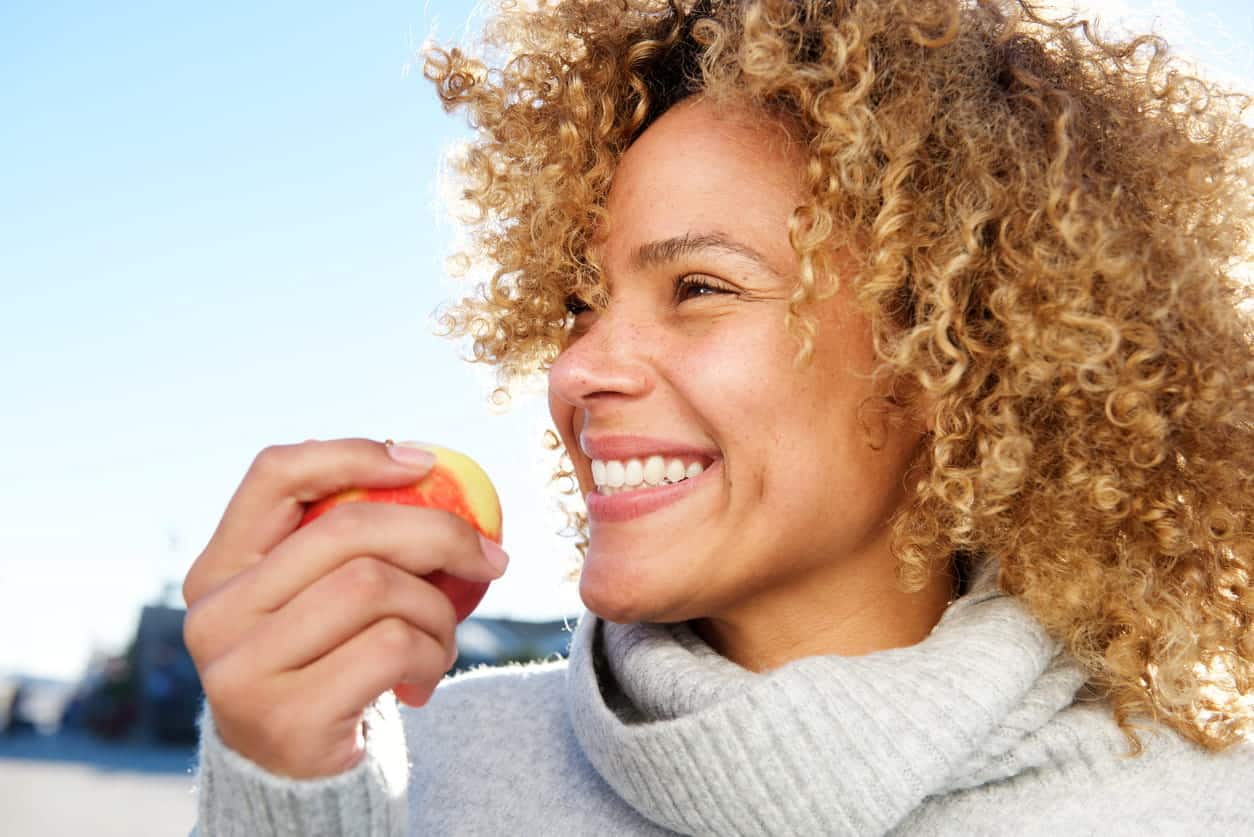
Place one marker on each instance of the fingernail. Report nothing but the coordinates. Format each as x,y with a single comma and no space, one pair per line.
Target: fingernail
495,555
411,454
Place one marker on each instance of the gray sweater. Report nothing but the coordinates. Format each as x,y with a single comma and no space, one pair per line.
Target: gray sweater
984,728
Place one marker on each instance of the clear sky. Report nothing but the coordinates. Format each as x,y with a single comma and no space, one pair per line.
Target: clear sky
221,228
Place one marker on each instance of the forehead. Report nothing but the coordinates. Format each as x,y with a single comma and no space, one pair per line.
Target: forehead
698,169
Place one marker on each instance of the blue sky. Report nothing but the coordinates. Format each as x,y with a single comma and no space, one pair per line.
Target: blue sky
221,228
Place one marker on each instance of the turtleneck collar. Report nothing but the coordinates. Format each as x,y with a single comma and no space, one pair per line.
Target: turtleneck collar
699,745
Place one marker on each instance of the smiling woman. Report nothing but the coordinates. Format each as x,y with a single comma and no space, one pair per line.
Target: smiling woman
691,357
898,355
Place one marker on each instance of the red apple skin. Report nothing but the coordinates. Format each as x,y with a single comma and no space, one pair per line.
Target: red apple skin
457,484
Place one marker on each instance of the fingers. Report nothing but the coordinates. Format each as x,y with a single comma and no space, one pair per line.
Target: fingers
269,502
415,540
389,652
296,630
345,603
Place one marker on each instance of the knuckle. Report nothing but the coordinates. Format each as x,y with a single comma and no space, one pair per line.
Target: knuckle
198,580
275,461
267,460
430,662
467,536
444,619
394,638
195,631
364,579
191,587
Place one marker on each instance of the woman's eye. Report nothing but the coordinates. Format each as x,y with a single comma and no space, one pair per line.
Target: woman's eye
576,306
688,287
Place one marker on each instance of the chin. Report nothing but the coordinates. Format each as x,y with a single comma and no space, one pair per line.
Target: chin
614,600
618,591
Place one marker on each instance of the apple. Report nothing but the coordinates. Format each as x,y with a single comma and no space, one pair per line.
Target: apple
457,484
454,484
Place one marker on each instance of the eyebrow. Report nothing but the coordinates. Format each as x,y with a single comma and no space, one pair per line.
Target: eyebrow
668,250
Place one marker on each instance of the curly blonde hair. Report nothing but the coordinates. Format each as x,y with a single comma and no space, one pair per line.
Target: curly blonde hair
1051,228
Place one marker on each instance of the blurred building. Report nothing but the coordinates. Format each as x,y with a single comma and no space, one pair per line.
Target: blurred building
168,692
31,704
483,641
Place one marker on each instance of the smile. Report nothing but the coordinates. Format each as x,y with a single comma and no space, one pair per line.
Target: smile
628,502
615,475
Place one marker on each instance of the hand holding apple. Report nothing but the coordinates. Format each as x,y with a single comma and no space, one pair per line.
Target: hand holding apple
455,484
295,629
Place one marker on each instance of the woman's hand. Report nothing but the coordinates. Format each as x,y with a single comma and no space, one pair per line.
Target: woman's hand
295,631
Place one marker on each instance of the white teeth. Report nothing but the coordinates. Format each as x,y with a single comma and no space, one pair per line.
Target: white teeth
613,475
654,470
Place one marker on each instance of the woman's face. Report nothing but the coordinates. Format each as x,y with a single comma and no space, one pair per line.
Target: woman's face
691,362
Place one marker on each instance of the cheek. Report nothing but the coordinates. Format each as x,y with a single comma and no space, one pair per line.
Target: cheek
742,370
797,432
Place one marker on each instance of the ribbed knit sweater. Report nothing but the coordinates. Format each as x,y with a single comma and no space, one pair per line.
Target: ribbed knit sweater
983,728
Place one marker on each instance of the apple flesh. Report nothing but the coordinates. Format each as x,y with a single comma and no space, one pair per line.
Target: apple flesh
457,484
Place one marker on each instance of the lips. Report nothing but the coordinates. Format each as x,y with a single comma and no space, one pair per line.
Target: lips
630,505
630,446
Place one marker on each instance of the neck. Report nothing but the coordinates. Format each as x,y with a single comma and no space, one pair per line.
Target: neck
843,612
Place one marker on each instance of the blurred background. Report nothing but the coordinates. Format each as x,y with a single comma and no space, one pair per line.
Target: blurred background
224,227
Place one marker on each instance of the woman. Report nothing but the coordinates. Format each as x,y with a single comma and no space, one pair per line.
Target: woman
897,351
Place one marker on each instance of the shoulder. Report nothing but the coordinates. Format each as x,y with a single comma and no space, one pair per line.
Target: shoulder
493,700
1086,781
1103,751
1172,786
525,683
1174,782
478,718
493,752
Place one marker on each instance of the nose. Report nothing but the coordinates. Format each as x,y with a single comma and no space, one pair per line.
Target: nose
608,363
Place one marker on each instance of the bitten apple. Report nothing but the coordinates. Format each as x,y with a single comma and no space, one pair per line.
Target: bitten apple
455,484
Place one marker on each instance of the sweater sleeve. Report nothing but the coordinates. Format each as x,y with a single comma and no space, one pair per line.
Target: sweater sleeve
238,798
